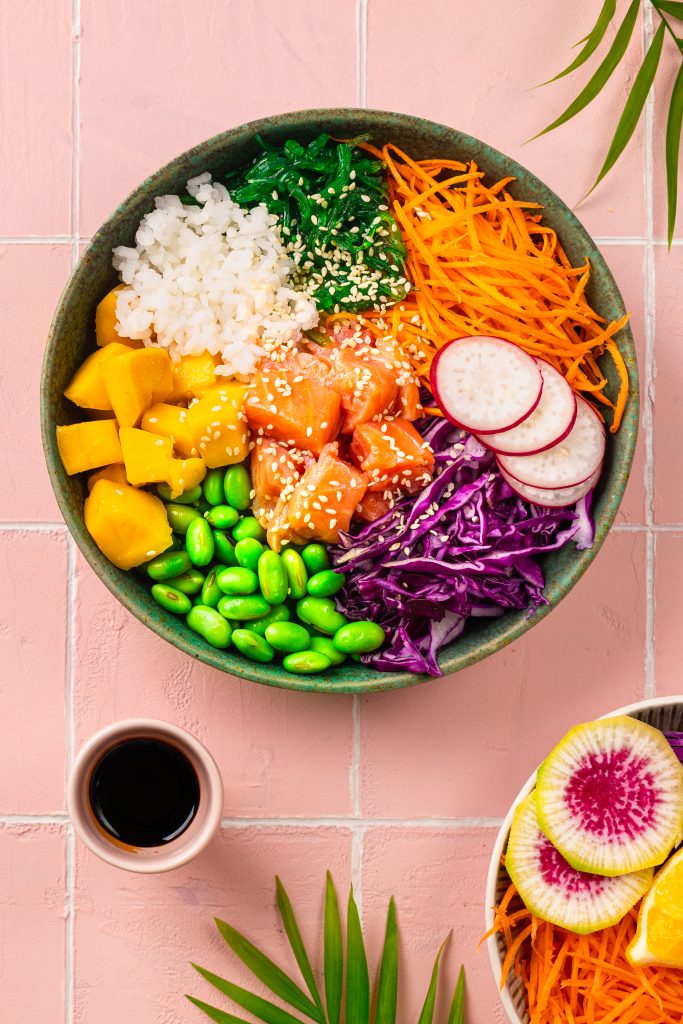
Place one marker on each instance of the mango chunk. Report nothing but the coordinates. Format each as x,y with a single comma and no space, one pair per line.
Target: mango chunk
87,388
219,425
184,474
135,381
129,526
171,421
146,456
105,322
115,473
89,445
191,376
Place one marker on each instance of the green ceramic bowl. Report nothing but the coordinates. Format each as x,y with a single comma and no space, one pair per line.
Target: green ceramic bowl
72,338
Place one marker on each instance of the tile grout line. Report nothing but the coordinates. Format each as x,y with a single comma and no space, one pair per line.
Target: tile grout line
322,821
362,51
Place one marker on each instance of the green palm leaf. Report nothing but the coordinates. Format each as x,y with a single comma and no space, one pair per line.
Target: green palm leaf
673,143
457,1012
261,1008
357,977
634,104
215,1014
333,953
602,75
672,7
296,942
427,1015
592,40
388,971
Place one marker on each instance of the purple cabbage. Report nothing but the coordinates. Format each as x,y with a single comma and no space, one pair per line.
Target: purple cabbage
463,547
676,743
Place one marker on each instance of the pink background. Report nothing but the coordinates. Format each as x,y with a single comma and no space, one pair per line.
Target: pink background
401,793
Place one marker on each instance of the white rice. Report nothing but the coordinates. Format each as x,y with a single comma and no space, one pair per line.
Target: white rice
210,278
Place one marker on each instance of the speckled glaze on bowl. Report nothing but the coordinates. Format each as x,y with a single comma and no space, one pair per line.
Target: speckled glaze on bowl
71,338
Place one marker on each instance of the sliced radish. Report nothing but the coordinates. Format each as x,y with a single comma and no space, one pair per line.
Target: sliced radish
549,423
566,464
485,384
559,498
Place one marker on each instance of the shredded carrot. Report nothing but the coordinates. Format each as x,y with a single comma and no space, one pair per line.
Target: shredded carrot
481,262
584,979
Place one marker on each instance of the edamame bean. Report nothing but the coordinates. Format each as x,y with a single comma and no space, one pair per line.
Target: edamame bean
296,572
248,527
323,645
244,608
359,637
326,583
223,517
237,581
321,613
248,552
209,624
213,486
171,563
211,592
306,663
180,517
199,542
252,646
315,558
187,498
280,613
224,549
171,599
289,637
272,577
237,487
189,582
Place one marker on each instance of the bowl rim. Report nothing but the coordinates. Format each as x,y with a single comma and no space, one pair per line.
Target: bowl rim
512,625
500,843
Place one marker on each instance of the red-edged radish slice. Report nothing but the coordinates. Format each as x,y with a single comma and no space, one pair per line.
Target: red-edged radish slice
485,384
559,498
548,424
566,464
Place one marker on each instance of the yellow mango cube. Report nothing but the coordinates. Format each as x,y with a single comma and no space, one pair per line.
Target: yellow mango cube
146,456
171,421
219,425
87,388
191,376
105,322
184,474
135,381
89,445
129,526
115,473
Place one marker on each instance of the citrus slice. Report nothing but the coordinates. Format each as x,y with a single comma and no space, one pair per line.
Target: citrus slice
659,938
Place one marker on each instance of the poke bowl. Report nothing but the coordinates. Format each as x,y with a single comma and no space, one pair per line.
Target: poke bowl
665,715
419,618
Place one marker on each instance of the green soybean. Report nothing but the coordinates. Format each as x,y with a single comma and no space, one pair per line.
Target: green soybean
223,517
280,613
211,592
248,527
190,582
321,613
187,498
326,583
297,575
180,517
248,552
199,542
245,608
224,549
272,577
323,645
306,662
252,646
237,581
209,624
289,637
212,486
165,567
171,599
237,487
315,558
359,637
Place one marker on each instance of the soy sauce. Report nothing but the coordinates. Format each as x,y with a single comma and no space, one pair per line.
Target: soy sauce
144,792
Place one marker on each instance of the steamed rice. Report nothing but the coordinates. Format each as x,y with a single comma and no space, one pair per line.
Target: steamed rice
210,278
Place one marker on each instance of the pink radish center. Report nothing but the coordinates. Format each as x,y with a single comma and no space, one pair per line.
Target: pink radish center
613,795
560,875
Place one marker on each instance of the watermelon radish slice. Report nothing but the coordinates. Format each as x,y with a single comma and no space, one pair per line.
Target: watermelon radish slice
610,796
485,384
557,892
549,423
566,464
560,498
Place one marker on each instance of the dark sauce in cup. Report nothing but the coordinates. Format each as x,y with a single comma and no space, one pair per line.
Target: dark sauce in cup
144,792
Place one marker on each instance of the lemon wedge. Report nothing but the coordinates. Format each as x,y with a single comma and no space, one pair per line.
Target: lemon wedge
659,937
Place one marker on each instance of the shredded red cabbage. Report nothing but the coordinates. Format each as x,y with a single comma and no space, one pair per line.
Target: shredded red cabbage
676,743
462,548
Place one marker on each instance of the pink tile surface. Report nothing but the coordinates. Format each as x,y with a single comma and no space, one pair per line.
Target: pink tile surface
668,637
668,406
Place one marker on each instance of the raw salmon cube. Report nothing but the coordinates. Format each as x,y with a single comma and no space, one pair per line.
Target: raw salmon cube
393,455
